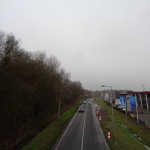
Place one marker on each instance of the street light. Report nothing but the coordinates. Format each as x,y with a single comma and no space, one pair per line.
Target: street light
143,87
112,109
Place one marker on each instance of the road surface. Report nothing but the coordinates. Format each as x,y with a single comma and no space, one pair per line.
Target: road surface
83,132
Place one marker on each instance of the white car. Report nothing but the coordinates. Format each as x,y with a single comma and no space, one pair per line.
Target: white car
124,108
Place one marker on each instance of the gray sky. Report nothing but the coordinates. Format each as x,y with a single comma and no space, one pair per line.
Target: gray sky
97,41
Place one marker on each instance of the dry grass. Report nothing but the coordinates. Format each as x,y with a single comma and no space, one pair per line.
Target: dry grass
124,128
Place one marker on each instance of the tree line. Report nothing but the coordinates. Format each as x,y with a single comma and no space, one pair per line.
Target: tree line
31,83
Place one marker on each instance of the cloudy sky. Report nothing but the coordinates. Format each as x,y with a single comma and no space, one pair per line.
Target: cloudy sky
97,41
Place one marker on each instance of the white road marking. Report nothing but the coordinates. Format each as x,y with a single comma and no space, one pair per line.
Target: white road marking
83,129
66,131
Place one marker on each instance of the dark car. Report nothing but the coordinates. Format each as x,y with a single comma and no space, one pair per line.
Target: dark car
81,109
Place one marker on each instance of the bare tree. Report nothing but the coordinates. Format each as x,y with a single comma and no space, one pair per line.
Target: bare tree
61,86
30,85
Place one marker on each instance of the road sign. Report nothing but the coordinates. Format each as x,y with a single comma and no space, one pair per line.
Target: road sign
108,135
100,118
123,100
133,103
97,112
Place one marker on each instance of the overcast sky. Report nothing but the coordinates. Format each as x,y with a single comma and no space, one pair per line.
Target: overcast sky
97,41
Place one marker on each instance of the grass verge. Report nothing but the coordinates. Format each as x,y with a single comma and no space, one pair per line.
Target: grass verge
48,137
127,132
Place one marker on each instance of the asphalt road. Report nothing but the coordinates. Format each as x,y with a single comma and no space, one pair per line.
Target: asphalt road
83,132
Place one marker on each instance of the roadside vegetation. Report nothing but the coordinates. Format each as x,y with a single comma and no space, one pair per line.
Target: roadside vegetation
48,137
34,91
128,134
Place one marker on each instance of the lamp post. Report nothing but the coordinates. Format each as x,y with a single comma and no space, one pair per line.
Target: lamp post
112,110
143,87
